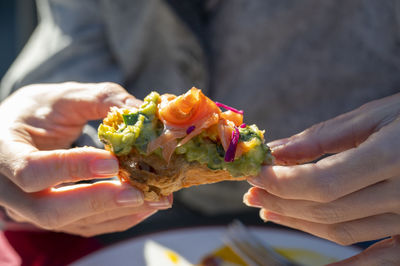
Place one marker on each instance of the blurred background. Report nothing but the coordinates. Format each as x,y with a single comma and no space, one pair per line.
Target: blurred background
17,22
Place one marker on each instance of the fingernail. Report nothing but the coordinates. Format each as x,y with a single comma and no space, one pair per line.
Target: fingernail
262,215
256,181
246,199
251,201
130,196
164,203
104,167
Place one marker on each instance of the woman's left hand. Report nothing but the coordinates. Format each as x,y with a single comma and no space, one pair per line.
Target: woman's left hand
348,197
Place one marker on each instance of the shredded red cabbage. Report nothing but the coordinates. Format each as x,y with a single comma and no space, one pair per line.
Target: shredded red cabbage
229,108
230,153
190,129
243,125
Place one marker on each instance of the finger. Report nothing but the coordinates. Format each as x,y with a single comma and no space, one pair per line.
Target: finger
43,169
79,102
56,208
15,216
335,176
111,226
63,206
125,211
385,252
106,215
366,229
338,134
94,100
357,205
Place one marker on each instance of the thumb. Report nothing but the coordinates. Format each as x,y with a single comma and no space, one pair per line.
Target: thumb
335,135
81,102
44,169
385,252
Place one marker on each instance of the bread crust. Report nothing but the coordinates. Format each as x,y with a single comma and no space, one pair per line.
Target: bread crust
156,178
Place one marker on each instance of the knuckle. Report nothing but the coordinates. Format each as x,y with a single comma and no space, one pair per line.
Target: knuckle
325,189
23,177
316,131
270,182
326,214
341,234
74,168
109,94
48,217
312,130
275,205
272,185
70,164
108,89
95,205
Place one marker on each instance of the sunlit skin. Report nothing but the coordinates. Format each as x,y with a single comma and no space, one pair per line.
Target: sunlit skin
349,197
39,124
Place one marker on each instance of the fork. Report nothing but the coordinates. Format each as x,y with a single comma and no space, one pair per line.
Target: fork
251,249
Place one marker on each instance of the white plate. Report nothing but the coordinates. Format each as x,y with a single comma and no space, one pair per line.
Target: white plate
194,243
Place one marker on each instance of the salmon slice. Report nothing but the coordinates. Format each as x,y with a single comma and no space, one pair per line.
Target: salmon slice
178,114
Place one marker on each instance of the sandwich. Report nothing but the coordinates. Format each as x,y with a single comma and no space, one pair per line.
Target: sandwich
172,142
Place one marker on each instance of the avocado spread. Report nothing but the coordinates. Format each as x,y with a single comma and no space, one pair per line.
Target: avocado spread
125,129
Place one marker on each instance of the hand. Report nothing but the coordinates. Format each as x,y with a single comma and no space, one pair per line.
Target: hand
385,252
347,197
39,124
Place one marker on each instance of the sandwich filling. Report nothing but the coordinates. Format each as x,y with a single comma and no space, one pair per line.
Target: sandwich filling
190,125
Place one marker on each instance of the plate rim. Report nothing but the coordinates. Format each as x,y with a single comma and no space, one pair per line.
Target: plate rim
161,233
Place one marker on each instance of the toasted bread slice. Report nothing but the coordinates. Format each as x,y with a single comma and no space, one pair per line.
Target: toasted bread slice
157,179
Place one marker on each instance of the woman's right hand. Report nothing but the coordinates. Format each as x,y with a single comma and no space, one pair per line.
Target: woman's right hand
39,123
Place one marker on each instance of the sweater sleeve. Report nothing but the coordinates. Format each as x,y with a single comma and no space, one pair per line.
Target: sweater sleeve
69,44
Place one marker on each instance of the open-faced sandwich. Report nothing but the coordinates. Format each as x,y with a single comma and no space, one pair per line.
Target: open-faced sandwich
171,142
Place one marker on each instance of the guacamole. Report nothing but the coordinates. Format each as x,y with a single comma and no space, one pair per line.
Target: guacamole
125,129
206,151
